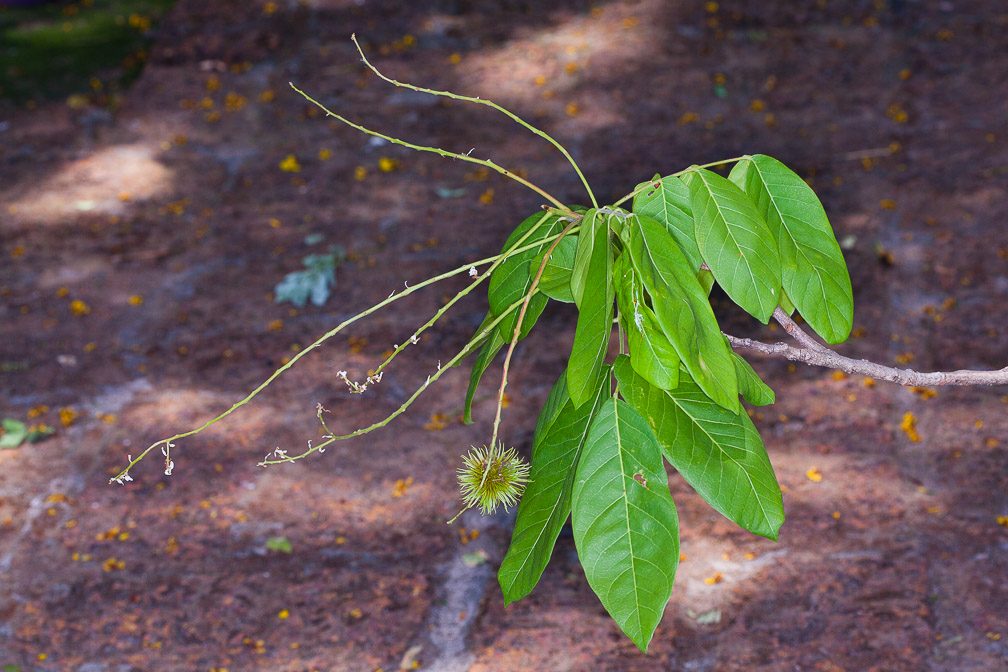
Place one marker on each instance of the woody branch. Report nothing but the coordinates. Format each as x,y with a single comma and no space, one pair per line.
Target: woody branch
814,354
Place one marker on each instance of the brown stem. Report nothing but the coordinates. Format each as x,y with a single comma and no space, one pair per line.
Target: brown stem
822,356
796,332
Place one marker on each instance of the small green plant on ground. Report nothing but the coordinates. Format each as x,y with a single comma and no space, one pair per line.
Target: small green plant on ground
14,433
641,269
315,283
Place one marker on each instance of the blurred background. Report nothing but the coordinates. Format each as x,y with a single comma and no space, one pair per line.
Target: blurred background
159,179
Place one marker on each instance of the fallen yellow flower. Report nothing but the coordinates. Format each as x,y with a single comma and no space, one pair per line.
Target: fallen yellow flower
290,164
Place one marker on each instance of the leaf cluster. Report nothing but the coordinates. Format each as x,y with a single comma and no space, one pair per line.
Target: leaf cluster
599,449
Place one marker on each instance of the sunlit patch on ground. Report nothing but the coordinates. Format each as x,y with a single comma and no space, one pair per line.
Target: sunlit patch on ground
105,183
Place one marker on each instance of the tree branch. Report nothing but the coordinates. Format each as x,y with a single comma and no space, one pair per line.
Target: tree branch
822,356
796,332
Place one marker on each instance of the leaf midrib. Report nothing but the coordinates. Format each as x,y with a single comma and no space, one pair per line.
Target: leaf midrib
556,505
626,502
799,247
713,441
697,322
728,229
659,274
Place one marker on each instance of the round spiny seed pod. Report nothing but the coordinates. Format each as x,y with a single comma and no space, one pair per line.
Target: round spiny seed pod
492,477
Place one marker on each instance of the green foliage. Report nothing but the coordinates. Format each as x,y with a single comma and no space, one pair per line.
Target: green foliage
683,311
735,243
718,452
625,525
652,355
13,433
597,454
595,315
512,280
279,544
812,267
315,283
555,282
667,200
751,387
556,447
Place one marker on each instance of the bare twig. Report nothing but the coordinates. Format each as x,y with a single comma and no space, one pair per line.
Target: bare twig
329,438
822,356
123,476
434,150
876,153
481,101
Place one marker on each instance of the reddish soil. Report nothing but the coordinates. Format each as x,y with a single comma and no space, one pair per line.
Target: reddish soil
171,221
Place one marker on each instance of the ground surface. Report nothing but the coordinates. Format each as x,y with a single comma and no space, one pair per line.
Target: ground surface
139,250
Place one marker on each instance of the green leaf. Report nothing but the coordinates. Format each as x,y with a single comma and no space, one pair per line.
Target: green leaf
39,433
486,355
556,402
683,311
616,219
719,453
595,314
651,353
511,280
14,433
314,283
556,277
583,253
559,437
785,303
751,387
475,559
668,202
281,544
735,242
478,336
625,524
706,280
813,271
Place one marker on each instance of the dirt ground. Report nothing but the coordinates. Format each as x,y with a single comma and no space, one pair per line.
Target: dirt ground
140,248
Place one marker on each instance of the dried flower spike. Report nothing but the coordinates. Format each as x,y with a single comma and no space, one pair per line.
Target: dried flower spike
492,477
